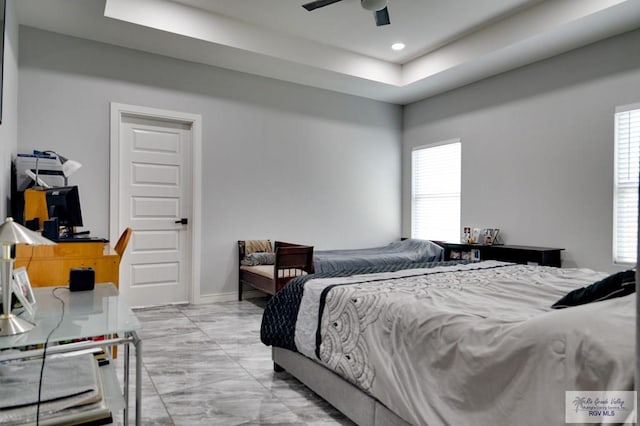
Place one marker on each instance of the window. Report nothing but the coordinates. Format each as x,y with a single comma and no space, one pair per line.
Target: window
625,185
435,191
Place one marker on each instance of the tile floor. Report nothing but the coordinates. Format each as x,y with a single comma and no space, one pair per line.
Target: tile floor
205,365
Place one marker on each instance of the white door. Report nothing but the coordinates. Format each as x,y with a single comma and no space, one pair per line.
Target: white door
154,199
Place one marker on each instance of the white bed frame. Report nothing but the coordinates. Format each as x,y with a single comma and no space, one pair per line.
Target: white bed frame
359,406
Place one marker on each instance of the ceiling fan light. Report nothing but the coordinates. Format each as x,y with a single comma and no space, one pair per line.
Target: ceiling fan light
373,4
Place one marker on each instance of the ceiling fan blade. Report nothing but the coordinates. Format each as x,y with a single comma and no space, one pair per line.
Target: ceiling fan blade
382,17
318,3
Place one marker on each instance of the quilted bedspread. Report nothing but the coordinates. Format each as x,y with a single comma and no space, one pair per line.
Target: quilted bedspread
465,344
280,315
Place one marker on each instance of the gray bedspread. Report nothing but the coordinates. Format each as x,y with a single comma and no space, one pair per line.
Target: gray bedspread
396,252
474,344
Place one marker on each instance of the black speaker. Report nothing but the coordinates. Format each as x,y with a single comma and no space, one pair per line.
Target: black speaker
81,279
50,229
33,224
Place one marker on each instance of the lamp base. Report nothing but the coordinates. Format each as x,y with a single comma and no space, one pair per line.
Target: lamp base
11,324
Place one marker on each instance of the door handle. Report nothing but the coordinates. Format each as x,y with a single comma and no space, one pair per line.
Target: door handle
183,221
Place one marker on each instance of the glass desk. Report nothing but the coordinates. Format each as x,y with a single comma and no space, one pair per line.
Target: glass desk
101,312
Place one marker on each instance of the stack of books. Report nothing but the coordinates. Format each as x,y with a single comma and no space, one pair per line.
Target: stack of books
72,392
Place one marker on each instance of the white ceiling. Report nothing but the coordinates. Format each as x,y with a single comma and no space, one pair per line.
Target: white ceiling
449,42
422,25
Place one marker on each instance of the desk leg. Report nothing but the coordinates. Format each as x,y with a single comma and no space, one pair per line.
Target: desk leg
125,412
138,343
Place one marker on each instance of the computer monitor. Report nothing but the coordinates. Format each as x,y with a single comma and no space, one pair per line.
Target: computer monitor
64,203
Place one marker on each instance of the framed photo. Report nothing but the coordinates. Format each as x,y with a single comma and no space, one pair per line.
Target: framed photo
466,234
486,238
475,236
22,289
494,235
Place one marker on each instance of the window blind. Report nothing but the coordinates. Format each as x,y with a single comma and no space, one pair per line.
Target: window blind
435,192
626,180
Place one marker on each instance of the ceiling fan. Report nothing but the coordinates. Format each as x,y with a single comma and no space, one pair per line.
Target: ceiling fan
379,8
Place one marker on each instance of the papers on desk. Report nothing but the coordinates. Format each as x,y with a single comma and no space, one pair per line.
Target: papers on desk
72,391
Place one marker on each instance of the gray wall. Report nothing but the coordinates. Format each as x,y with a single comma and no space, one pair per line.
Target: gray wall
324,168
9,126
280,161
537,148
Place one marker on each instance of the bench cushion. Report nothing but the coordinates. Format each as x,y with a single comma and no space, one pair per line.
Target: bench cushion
267,271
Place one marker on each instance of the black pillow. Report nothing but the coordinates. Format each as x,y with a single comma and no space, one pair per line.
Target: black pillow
616,285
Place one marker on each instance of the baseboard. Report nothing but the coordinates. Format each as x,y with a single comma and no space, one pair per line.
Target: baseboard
228,296
143,307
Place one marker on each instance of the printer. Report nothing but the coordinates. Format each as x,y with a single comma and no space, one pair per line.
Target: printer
47,167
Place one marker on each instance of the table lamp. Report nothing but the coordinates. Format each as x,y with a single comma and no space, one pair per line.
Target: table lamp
12,233
69,167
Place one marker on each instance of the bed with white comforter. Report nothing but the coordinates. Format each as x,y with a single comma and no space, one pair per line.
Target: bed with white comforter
460,344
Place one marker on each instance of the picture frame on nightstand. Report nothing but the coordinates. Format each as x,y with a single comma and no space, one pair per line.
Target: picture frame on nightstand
466,235
489,236
486,237
494,235
476,234
23,290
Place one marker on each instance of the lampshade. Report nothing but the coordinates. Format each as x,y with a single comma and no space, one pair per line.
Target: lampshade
373,5
69,167
12,233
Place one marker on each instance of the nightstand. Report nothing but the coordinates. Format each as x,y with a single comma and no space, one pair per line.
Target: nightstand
545,256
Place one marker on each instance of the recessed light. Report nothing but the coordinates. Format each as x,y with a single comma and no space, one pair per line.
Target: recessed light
398,46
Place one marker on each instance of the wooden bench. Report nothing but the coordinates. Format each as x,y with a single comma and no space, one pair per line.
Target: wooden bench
291,260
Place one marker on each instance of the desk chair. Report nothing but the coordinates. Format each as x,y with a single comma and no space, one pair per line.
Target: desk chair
123,241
